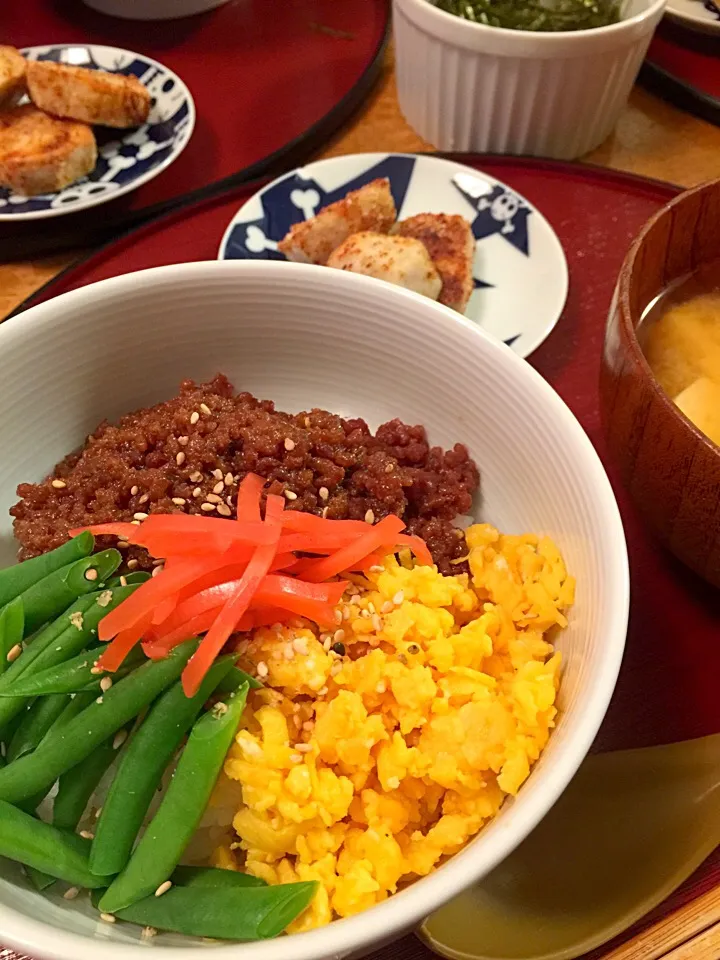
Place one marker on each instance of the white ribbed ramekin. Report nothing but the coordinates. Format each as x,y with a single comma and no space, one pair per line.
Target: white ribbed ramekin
466,86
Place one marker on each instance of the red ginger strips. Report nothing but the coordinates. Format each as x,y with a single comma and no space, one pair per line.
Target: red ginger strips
221,576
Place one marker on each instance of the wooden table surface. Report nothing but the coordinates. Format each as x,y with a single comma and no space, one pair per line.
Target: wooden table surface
652,139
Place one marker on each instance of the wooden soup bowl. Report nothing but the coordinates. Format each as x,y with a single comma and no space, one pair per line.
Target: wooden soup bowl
670,468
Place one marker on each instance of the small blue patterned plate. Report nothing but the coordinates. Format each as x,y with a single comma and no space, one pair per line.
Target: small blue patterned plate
521,276
126,158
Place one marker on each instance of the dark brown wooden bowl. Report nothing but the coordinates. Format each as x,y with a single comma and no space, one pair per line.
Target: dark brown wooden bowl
670,468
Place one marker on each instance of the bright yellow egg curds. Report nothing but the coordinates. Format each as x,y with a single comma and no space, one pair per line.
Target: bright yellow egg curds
380,748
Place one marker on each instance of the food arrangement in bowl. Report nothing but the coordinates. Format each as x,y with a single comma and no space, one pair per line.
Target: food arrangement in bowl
286,676
391,688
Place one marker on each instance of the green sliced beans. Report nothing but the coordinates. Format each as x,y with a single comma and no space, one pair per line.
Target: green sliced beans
169,832
229,913
12,630
140,771
35,724
45,848
46,599
73,676
213,877
236,678
62,639
17,579
79,783
77,739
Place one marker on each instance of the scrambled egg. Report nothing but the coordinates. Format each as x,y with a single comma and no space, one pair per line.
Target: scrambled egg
378,750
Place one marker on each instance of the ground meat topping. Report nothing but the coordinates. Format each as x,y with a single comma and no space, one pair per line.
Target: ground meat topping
188,455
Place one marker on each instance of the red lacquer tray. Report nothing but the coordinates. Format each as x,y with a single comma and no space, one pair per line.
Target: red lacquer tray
668,683
683,67
271,79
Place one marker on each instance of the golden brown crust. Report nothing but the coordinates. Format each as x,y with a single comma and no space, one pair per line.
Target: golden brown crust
450,243
42,154
369,208
91,96
12,76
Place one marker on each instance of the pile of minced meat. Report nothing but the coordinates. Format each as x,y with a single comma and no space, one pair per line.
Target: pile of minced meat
188,455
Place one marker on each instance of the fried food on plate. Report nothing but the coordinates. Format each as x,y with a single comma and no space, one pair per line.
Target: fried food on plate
369,208
42,154
92,96
449,241
399,260
12,76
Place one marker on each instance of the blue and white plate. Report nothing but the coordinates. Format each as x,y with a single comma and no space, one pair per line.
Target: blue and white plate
702,16
126,158
521,276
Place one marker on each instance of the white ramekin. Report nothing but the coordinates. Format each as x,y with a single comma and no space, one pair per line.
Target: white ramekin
465,86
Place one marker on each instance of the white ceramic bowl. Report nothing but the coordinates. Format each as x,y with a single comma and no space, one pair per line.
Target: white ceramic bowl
153,9
306,336
467,86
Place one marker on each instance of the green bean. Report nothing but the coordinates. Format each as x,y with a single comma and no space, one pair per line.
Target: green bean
137,577
141,768
168,833
78,738
18,578
236,678
35,723
45,847
47,598
73,676
78,784
213,877
62,639
12,630
230,913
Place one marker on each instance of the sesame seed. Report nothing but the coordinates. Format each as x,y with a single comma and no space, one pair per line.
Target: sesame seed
339,636
122,544
107,917
290,495
346,613
91,574
377,623
148,933
228,480
132,564
14,653
218,474
295,758
97,813
323,493
324,512
322,691
302,747
205,408
135,522
194,417
99,700
196,477
386,607
308,725
59,484
180,459
228,501
119,739
289,444
140,515
179,501
95,669
398,598
224,511
376,568
183,441
197,492
134,491
365,613
219,487
213,498
389,467
369,517
300,645
157,570
87,834
371,607
307,421
105,684
381,687
144,498
71,893
207,507
123,581
163,888
262,669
